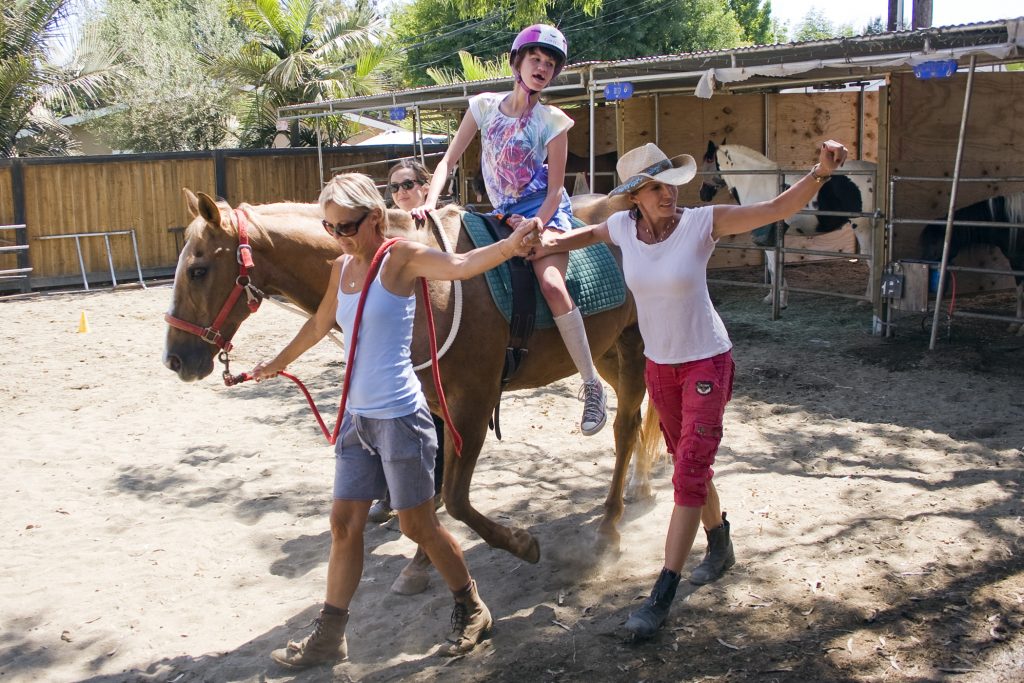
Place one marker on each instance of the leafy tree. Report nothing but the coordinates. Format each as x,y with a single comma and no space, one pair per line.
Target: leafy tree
521,12
34,90
300,51
473,69
816,26
434,31
874,26
168,101
755,19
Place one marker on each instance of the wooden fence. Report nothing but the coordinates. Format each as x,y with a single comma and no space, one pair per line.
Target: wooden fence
55,196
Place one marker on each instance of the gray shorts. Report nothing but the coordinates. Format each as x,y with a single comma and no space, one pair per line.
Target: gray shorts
373,457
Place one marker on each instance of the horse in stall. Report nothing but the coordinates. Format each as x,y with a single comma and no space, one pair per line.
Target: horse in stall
852,193
1000,209
292,257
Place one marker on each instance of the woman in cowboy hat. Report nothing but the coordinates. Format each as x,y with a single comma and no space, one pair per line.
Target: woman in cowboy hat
689,373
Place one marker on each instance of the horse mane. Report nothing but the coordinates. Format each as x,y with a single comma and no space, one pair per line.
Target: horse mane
287,208
401,224
268,220
1013,205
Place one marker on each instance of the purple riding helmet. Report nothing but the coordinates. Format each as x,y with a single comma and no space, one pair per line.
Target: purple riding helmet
540,35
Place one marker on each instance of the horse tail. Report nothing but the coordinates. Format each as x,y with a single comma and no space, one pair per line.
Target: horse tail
649,444
647,452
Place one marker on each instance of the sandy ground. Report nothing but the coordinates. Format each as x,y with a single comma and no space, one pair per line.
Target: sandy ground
160,531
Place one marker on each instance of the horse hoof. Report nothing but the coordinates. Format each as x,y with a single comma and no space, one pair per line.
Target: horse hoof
637,493
533,552
410,582
607,546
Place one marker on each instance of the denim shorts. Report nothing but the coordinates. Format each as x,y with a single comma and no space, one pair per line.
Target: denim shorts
373,457
691,399
529,205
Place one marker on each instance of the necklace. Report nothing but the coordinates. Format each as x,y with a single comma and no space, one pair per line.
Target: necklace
655,238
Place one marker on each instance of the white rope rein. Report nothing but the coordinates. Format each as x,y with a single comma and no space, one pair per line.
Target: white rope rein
457,319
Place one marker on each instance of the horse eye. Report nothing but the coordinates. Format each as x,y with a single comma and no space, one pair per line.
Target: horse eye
196,272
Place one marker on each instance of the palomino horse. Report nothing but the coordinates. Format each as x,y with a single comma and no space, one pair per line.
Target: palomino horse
291,256
853,193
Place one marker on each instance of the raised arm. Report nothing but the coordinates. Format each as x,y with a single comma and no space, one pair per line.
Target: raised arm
467,129
732,220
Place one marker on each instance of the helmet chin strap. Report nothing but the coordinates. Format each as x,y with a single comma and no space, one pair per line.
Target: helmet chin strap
530,92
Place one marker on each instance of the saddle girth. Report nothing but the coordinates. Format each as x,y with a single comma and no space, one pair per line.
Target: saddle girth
524,312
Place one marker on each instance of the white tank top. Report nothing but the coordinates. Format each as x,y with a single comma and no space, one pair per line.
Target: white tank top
384,384
669,282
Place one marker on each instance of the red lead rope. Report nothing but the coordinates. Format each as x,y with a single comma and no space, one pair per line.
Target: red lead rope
332,437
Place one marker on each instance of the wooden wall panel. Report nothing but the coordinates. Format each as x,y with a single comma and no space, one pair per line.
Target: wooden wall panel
6,197
604,125
924,127
799,121
107,196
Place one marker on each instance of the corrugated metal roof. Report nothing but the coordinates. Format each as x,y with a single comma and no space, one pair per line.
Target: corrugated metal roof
759,67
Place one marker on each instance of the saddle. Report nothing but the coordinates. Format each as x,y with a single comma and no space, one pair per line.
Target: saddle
593,280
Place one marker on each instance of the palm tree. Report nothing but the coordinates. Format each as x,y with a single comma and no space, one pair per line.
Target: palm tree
35,91
302,51
473,69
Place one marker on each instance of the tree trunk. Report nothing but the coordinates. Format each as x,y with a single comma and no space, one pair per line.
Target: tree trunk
922,14
895,15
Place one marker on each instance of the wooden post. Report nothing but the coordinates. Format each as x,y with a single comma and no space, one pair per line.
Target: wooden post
922,17
220,174
21,236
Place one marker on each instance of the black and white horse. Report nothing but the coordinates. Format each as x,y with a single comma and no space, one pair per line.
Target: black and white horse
1002,209
853,193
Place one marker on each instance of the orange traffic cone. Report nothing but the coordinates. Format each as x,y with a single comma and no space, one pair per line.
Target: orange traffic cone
83,324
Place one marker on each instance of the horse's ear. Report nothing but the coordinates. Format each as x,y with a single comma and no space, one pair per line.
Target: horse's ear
709,155
209,210
191,201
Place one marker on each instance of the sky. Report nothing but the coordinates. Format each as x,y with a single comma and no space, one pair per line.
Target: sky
859,12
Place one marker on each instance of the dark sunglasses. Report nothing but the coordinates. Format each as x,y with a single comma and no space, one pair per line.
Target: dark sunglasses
404,185
344,229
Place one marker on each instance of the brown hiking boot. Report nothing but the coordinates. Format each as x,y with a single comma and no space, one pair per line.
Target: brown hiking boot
325,644
471,623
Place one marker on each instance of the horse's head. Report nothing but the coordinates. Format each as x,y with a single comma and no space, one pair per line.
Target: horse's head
713,181
205,277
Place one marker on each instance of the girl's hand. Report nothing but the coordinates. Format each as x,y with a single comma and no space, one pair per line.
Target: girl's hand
264,370
420,212
831,156
523,240
545,245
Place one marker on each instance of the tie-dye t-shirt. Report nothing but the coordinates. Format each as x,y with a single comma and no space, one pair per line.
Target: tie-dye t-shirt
513,150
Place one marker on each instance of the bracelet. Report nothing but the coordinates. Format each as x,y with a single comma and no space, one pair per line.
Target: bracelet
820,179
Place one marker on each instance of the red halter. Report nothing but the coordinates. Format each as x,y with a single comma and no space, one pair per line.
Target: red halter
212,334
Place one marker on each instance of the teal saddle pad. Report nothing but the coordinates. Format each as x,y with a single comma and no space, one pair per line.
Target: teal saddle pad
593,279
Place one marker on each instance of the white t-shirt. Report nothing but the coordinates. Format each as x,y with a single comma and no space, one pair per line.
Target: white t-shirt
513,150
670,285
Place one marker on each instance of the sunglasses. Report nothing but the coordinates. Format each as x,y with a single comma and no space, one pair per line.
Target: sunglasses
404,185
344,229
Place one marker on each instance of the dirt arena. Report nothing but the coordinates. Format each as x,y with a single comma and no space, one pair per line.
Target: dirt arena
161,531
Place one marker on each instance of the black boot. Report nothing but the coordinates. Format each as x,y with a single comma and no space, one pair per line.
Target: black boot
646,621
717,558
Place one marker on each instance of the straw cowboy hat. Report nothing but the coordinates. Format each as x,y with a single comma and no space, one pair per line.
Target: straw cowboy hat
643,164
